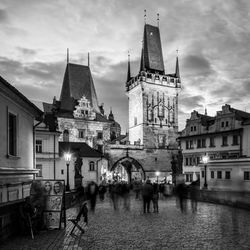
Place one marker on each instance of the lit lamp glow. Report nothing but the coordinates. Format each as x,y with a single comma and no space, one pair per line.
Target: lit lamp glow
205,159
157,173
67,157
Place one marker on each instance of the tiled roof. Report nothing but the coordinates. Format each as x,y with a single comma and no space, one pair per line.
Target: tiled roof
152,52
82,148
77,82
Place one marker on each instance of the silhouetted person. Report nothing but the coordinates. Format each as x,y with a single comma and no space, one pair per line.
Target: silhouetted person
193,195
155,197
125,189
147,194
181,194
92,191
102,190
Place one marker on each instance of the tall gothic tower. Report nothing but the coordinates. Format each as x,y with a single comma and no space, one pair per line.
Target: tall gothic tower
153,97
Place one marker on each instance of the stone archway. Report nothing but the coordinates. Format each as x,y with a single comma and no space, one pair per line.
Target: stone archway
131,166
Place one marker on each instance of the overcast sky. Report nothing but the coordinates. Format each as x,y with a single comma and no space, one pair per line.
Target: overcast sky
213,39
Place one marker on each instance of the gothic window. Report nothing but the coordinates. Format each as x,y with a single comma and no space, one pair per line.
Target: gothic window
161,110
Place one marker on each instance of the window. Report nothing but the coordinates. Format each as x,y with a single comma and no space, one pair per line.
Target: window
62,171
227,123
194,128
246,175
39,167
91,166
199,143
222,124
198,160
186,161
224,141
203,143
81,133
66,135
219,174
228,175
39,146
189,177
99,148
202,173
212,174
99,135
12,134
191,144
135,121
187,146
235,140
211,142
191,129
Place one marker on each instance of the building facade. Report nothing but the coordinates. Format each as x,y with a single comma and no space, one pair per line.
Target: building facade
17,161
153,115
224,138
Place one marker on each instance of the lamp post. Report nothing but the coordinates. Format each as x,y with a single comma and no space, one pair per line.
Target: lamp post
205,159
67,157
157,173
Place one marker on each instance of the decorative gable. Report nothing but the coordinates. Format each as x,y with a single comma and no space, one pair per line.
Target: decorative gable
84,109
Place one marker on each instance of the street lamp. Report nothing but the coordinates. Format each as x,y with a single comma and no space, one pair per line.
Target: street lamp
67,157
157,173
205,159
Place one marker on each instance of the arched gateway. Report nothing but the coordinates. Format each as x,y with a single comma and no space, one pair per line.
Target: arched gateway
127,169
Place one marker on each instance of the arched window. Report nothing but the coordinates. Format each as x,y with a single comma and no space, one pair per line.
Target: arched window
91,166
66,135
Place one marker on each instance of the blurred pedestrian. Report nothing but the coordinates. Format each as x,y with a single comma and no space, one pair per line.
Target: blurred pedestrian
102,190
155,197
147,194
181,195
125,189
92,191
193,195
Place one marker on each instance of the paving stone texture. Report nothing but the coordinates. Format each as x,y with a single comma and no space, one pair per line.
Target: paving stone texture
210,227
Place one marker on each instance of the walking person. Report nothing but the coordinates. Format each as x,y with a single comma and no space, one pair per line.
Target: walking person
155,197
147,194
92,191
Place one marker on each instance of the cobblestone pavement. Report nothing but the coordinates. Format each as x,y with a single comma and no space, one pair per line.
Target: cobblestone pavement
210,227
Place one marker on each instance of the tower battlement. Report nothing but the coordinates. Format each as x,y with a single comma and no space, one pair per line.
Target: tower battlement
163,80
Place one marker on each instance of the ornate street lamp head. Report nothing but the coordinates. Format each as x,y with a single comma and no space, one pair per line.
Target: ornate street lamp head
157,173
67,157
205,159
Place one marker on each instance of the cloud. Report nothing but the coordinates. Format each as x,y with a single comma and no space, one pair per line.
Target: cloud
26,52
3,16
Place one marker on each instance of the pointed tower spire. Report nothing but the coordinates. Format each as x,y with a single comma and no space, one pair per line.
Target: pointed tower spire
88,59
67,55
129,74
158,20
177,71
145,16
205,111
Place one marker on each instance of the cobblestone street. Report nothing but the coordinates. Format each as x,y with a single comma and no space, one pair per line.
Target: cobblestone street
211,227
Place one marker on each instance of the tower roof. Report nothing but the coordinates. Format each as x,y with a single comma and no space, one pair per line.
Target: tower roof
77,82
152,51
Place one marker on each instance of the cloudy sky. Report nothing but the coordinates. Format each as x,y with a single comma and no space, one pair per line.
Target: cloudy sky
213,39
